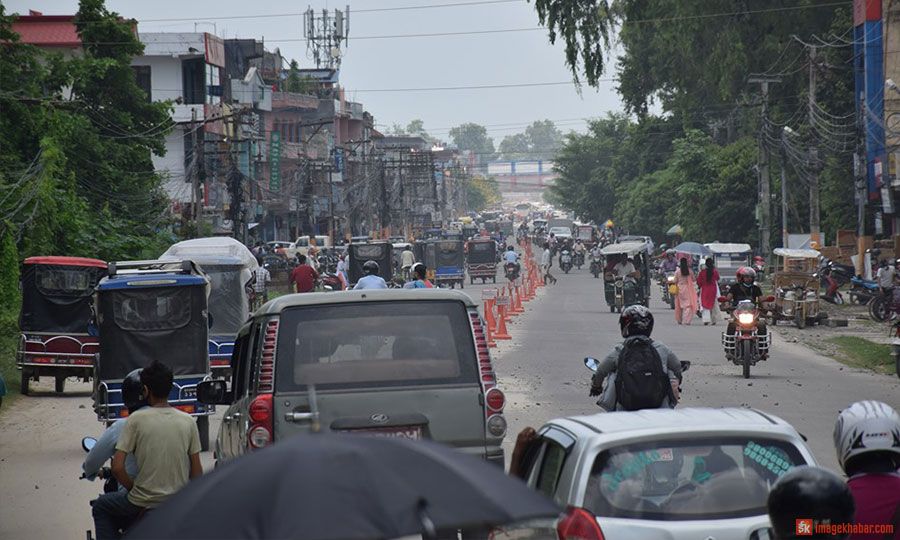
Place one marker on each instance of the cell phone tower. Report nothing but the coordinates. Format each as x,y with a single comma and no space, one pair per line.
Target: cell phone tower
325,33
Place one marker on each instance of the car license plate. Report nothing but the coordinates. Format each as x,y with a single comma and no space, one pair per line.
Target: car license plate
407,432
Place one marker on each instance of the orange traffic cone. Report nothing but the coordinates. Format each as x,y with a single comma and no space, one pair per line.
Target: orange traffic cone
517,301
511,307
489,322
502,332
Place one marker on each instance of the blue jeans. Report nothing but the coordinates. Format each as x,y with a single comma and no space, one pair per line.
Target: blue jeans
113,512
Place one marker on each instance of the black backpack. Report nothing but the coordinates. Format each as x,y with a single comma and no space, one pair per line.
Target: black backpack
641,382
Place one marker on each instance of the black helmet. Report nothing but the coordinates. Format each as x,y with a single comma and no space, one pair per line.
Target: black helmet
809,493
636,320
370,268
133,391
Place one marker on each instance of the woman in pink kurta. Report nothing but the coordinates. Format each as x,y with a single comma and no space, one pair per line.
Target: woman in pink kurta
708,280
686,299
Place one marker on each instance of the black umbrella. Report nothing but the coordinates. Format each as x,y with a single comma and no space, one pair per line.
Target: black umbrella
331,486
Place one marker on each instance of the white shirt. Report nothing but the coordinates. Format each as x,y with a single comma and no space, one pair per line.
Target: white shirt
623,269
511,256
262,278
407,258
545,258
371,282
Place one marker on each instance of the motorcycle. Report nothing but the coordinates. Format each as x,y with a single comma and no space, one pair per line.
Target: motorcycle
596,265
828,279
593,364
512,271
667,284
331,282
744,348
862,291
579,260
884,307
565,260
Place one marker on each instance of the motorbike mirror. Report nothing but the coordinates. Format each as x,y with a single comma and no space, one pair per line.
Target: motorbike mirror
591,363
88,443
685,365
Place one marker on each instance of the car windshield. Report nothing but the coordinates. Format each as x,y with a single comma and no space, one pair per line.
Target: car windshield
689,479
375,344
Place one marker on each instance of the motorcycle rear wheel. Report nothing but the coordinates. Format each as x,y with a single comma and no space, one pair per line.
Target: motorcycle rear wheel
878,309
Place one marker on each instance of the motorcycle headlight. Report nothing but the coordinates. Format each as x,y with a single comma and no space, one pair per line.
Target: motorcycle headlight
746,318
670,279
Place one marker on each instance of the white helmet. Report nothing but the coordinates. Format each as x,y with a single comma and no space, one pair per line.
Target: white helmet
866,426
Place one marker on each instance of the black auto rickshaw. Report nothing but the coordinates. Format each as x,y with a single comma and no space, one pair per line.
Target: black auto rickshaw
380,252
481,260
153,310
54,322
622,291
450,263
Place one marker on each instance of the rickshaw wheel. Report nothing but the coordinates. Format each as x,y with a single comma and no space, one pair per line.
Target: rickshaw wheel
203,428
60,384
26,376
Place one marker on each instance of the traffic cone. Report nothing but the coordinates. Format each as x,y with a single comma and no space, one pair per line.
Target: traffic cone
502,332
511,307
517,301
489,322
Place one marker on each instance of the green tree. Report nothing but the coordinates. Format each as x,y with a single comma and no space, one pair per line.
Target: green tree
297,82
544,139
473,138
515,147
482,191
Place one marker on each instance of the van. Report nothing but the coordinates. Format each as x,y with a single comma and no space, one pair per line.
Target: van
391,363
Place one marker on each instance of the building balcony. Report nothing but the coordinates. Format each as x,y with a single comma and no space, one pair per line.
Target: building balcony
290,100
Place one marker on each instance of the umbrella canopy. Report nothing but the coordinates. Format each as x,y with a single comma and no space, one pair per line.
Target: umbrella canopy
693,248
337,486
676,230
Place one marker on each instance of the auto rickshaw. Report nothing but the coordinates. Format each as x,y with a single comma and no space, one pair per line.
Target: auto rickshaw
619,292
153,310
449,263
728,258
380,252
796,285
230,267
481,260
54,322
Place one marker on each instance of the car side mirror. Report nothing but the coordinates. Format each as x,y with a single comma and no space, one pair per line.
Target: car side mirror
214,392
591,363
88,443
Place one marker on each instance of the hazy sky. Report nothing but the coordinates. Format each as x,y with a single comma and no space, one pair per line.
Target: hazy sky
403,63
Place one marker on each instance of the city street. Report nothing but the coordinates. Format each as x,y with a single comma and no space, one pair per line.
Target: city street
540,370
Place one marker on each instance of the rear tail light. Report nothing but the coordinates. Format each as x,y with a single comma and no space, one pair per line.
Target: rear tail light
578,524
261,421
495,400
267,362
496,425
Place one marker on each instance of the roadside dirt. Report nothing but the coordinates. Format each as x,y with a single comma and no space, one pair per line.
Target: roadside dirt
859,324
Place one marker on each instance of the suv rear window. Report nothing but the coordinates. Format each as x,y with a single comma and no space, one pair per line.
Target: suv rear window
688,480
375,344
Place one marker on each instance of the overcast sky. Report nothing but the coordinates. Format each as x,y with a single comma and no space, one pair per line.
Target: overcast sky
404,63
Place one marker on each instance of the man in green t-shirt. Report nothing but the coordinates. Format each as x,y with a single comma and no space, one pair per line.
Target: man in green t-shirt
166,445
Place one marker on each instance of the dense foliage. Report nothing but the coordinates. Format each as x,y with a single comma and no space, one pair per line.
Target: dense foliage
686,152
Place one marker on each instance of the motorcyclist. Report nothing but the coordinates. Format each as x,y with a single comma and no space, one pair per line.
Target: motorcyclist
807,496
867,440
636,323
511,261
670,263
746,289
371,280
105,447
579,250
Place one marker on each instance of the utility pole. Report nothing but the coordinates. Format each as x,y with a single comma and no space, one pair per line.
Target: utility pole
784,197
196,144
765,198
814,230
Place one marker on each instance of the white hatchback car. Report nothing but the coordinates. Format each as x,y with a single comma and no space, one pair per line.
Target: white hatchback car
692,473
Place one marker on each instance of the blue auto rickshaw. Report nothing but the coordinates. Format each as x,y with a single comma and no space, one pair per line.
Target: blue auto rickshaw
153,310
450,263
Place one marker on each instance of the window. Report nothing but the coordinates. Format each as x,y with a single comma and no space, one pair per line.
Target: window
153,309
721,478
391,344
65,280
143,80
192,81
213,83
551,467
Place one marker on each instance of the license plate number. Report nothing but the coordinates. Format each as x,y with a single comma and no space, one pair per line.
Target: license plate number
413,433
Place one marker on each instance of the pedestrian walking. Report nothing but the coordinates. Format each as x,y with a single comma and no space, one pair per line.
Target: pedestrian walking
686,298
709,291
304,276
261,279
546,263
341,270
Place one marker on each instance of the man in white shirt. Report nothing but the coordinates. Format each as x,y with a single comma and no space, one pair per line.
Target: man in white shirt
546,263
407,259
625,269
886,275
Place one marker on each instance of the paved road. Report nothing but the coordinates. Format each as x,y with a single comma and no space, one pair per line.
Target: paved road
541,371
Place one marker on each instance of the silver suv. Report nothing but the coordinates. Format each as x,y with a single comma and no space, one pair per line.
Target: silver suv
394,363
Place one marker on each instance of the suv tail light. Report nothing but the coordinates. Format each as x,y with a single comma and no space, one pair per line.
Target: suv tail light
267,362
494,400
578,524
262,422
